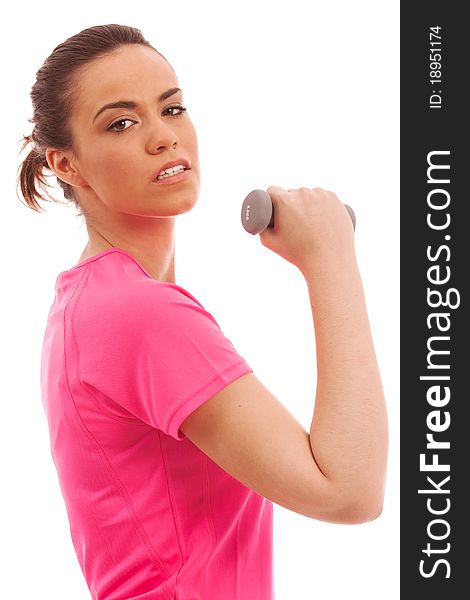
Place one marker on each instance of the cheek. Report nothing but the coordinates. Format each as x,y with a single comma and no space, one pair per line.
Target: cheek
115,168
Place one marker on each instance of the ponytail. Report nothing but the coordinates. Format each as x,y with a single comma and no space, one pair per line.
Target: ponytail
31,174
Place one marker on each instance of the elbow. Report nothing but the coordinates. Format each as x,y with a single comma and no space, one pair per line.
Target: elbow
361,503
347,514
362,514
360,511
359,508
355,515
350,504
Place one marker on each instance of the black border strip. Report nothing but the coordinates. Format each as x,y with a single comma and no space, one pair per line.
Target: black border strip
434,330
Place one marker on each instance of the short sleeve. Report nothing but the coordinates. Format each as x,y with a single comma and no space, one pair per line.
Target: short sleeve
155,351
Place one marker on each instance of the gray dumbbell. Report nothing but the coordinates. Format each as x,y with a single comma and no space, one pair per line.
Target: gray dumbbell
258,212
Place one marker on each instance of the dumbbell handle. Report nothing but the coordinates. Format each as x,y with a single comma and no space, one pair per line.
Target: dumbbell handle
258,212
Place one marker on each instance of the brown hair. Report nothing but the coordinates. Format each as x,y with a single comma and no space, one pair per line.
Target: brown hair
53,95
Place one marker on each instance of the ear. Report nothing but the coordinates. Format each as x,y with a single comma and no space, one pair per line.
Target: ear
60,162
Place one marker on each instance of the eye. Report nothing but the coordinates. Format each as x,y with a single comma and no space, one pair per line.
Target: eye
111,127
182,110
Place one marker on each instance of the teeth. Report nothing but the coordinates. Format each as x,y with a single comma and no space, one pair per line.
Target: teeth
171,171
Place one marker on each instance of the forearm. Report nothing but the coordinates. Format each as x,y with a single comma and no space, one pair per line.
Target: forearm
349,430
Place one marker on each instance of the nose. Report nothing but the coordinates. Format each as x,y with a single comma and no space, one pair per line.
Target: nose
162,136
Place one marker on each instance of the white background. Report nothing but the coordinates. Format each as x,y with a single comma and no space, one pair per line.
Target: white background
281,93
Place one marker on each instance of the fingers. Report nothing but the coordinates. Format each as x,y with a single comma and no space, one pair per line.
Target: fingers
275,190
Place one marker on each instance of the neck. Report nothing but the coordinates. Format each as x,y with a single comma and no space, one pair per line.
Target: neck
155,254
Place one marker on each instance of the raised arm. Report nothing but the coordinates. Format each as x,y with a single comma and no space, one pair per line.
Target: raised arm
336,472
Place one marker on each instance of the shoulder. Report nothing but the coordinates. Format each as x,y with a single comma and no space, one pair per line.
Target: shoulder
133,305
147,296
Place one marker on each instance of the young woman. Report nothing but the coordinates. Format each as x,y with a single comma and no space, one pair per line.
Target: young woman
169,450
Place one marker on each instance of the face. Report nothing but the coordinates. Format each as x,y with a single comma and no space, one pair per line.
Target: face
120,151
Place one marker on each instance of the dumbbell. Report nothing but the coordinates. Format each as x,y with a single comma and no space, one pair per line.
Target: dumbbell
258,212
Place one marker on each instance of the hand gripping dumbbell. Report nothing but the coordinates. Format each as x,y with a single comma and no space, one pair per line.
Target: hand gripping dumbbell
258,212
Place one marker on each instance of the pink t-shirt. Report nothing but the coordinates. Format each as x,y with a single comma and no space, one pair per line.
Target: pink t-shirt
125,360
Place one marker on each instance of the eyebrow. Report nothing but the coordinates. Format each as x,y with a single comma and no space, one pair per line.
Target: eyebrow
131,104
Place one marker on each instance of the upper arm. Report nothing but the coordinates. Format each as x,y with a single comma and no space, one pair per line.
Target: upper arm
253,437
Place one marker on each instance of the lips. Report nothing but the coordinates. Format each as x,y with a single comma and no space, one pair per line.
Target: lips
173,163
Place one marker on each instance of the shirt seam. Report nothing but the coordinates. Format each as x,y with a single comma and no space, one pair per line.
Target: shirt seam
200,387
104,459
173,506
127,420
210,518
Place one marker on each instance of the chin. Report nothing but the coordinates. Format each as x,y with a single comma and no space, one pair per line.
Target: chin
186,204
174,206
